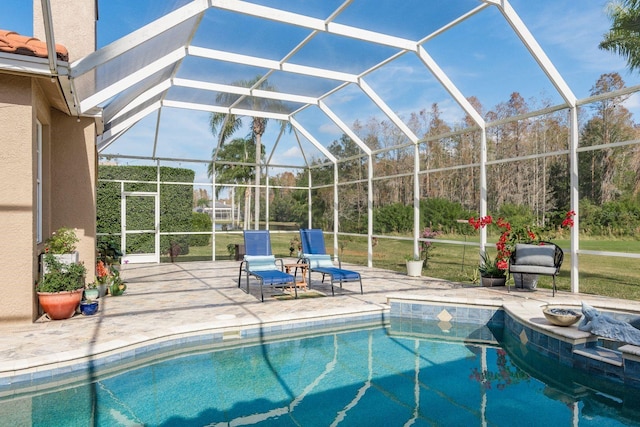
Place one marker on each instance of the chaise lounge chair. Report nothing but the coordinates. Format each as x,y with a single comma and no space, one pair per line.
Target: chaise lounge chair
314,254
260,263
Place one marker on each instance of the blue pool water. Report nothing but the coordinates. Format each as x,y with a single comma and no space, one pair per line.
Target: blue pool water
401,374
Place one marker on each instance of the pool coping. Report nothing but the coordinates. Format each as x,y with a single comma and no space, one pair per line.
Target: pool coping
32,374
229,329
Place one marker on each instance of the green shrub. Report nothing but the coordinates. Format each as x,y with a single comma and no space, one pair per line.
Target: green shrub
200,222
176,205
61,277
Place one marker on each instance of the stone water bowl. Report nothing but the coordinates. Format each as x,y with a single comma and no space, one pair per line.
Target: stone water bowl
561,316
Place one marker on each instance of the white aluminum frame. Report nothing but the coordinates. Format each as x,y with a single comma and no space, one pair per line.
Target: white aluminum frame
127,115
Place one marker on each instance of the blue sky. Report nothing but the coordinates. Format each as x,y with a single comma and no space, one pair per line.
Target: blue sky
482,56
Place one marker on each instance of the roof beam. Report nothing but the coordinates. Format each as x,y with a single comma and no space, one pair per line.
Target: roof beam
244,91
130,80
130,121
235,58
304,157
319,72
139,100
371,36
48,29
536,51
346,129
129,42
270,64
444,80
214,87
273,14
453,23
387,111
313,141
102,142
313,23
225,110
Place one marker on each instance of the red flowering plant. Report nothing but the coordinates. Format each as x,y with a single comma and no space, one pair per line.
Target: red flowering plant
103,273
107,274
496,267
507,241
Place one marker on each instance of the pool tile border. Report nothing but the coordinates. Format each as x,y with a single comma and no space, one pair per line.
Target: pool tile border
568,346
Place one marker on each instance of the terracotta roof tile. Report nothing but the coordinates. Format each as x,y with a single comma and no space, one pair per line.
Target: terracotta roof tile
12,42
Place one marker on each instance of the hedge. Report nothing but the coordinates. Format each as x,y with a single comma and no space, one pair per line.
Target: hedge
176,204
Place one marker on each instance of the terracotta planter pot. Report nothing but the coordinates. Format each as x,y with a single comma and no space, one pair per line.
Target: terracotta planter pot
60,305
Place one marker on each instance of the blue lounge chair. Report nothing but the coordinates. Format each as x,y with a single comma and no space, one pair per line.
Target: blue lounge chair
260,263
315,255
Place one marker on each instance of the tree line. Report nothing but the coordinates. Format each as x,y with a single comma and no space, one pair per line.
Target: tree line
609,174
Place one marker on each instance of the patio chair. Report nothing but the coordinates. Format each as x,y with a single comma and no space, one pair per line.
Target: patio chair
544,259
260,263
314,254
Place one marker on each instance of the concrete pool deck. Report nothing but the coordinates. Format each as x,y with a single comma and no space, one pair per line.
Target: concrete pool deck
168,301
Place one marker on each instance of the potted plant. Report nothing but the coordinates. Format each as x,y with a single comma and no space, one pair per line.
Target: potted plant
91,291
89,307
60,289
104,277
414,266
62,245
117,286
508,239
492,271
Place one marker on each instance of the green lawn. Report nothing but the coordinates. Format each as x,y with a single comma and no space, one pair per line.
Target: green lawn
610,276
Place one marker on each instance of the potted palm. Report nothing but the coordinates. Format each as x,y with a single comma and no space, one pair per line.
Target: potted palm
60,289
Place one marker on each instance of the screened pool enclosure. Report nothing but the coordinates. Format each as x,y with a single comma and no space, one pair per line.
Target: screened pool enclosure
349,108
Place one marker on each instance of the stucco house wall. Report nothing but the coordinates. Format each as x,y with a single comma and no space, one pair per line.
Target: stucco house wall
17,269
69,165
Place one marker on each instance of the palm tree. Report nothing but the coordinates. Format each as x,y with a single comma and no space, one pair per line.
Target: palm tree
624,36
226,124
237,153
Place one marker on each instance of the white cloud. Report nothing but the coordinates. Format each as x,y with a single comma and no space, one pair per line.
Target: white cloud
330,129
292,153
569,31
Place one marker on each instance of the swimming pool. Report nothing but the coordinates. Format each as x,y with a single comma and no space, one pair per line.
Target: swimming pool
407,372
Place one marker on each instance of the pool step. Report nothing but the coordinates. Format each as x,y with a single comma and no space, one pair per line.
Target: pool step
602,354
